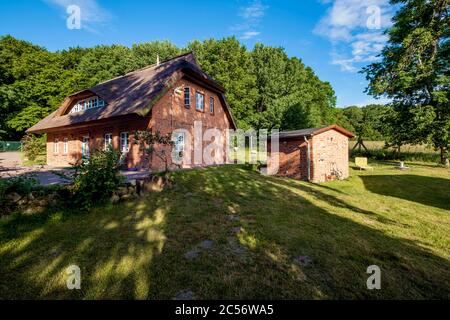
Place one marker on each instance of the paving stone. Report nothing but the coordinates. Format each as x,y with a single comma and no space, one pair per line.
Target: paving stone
237,229
206,244
233,217
304,261
191,255
185,295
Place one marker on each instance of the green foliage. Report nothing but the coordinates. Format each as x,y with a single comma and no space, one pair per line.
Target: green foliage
229,62
96,179
414,72
33,145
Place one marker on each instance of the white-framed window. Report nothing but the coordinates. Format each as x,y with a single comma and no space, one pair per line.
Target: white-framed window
85,147
108,140
56,146
179,143
211,105
66,146
187,97
124,142
89,103
199,101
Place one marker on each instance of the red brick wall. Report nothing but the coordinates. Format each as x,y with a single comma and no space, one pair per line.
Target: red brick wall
96,134
328,154
292,157
168,114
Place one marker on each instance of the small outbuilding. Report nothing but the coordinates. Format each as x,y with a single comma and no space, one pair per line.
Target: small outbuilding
314,154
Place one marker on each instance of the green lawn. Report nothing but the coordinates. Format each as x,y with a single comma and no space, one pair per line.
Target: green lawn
398,220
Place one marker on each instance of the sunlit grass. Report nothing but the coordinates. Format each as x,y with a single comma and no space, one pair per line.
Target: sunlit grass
399,220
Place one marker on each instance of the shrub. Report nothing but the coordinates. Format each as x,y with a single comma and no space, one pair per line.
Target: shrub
33,145
97,178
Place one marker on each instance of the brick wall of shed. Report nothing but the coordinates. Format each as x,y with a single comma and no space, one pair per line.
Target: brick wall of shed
292,159
329,155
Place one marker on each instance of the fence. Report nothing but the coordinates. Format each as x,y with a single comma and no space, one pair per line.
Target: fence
10,146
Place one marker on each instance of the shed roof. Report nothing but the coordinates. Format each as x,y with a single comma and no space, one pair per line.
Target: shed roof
312,132
133,93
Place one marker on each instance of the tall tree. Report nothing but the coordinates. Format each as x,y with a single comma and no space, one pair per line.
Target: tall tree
229,62
415,73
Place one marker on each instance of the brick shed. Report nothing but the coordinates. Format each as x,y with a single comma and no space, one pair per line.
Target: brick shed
327,148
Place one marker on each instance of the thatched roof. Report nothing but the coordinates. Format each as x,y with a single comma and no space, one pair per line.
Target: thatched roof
133,93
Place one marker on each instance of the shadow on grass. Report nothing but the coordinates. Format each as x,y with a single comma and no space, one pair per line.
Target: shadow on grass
429,191
136,250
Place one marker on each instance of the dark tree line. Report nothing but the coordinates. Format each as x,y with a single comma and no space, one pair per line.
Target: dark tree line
265,87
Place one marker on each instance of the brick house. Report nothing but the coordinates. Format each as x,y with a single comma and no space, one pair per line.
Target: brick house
315,154
162,97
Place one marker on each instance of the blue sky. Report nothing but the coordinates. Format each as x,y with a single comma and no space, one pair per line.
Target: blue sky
334,37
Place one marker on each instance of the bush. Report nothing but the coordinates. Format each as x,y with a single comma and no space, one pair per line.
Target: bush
32,146
96,179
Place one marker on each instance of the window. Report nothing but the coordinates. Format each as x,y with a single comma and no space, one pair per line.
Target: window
179,144
211,105
85,147
187,97
89,103
56,146
66,146
199,101
108,140
124,142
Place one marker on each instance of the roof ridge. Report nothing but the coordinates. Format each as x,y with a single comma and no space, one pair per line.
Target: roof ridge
144,68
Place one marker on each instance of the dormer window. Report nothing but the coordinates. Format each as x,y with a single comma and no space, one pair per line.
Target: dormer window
89,103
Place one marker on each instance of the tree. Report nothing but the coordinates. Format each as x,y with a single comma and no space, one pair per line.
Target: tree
414,71
229,63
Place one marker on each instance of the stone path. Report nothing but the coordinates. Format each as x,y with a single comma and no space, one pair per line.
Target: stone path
11,166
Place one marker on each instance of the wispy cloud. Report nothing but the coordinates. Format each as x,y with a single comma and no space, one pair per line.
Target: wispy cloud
92,15
355,29
249,34
251,16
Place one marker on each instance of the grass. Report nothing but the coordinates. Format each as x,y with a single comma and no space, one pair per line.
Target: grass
398,220
376,150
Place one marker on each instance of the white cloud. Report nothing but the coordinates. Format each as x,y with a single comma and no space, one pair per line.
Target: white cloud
255,10
251,16
249,34
92,14
352,28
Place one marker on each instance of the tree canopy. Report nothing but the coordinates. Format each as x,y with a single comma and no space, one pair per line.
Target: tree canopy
265,87
414,71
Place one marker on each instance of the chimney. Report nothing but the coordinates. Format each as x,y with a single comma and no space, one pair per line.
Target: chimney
157,60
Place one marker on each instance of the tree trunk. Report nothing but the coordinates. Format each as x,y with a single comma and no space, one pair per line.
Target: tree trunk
444,156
